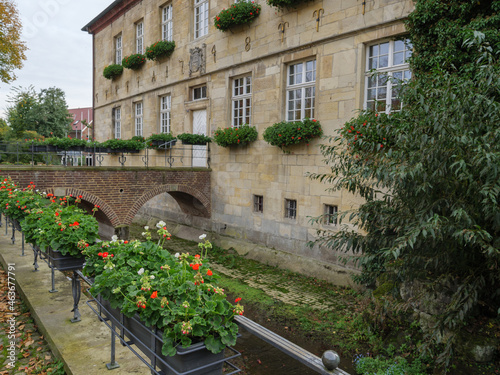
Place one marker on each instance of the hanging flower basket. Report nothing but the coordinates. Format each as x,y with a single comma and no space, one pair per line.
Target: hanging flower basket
112,71
283,134
160,49
235,136
240,13
280,4
134,62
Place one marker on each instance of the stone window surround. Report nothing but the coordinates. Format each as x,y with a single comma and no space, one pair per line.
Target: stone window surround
329,209
290,208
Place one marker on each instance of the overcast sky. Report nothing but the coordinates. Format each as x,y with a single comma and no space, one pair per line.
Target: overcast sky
60,54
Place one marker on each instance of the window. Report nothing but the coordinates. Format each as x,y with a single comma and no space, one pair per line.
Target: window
200,18
138,118
200,93
290,208
386,68
117,122
301,90
118,49
166,22
242,101
165,114
258,203
139,37
330,214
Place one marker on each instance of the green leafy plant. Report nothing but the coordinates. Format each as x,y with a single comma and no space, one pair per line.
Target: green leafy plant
235,136
124,144
285,3
112,71
162,48
240,13
194,139
176,293
381,366
64,143
134,61
17,203
156,140
283,134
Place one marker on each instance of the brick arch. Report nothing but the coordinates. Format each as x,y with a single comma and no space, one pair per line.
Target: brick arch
104,207
181,193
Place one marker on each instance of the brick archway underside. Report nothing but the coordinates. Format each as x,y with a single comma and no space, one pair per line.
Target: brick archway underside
121,193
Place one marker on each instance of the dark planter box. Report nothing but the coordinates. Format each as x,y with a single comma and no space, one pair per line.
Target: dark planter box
122,150
64,262
76,148
44,148
96,149
186,359
195,144
159,143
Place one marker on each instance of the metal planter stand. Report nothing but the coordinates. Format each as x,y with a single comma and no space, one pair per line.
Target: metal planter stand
150,344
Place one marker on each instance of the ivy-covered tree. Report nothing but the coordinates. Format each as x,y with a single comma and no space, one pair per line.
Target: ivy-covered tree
45,113
430,174
11,47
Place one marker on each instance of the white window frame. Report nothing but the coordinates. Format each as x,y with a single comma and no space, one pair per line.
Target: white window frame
167,22
330,216
203,92
165,106
118,49
291,209
241,107
117,122
201,8
139,37
304,82
139,112
381,82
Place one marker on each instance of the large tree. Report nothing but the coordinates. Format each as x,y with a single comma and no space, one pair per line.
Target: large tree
11,47
430,174
45,112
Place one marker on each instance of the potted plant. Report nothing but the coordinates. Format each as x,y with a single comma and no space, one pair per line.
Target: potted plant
112,71
283,134
194,139
124,145
161,140
240,13
94,146
172,293
160,49
134,61
235,136
280,4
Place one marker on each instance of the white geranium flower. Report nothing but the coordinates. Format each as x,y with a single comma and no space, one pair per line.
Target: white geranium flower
141,271
161,224
152,277
114,238
146,227
143,234
203,236
177,255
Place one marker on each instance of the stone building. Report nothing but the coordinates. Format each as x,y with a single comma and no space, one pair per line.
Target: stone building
308,61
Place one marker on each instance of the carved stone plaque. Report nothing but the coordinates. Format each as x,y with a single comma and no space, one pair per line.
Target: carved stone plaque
197,59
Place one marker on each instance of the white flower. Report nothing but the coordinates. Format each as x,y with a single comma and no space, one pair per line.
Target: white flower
177,255
161,224
152,277
203,236
114,238
146,227
141,271
144,234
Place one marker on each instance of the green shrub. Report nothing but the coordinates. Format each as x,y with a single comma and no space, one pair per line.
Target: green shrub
160,49
239,13
285,3
112,71
194,139
395,366
235,136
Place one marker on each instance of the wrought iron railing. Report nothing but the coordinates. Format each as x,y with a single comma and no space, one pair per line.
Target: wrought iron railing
166,155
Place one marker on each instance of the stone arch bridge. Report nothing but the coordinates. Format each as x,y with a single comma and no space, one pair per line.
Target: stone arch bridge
120,192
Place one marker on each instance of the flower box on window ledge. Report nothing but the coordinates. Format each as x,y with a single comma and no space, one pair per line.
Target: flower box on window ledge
280,4
160,49
121,145
134,62
240,13
194,139
112,71
283,134
161,141
235,136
